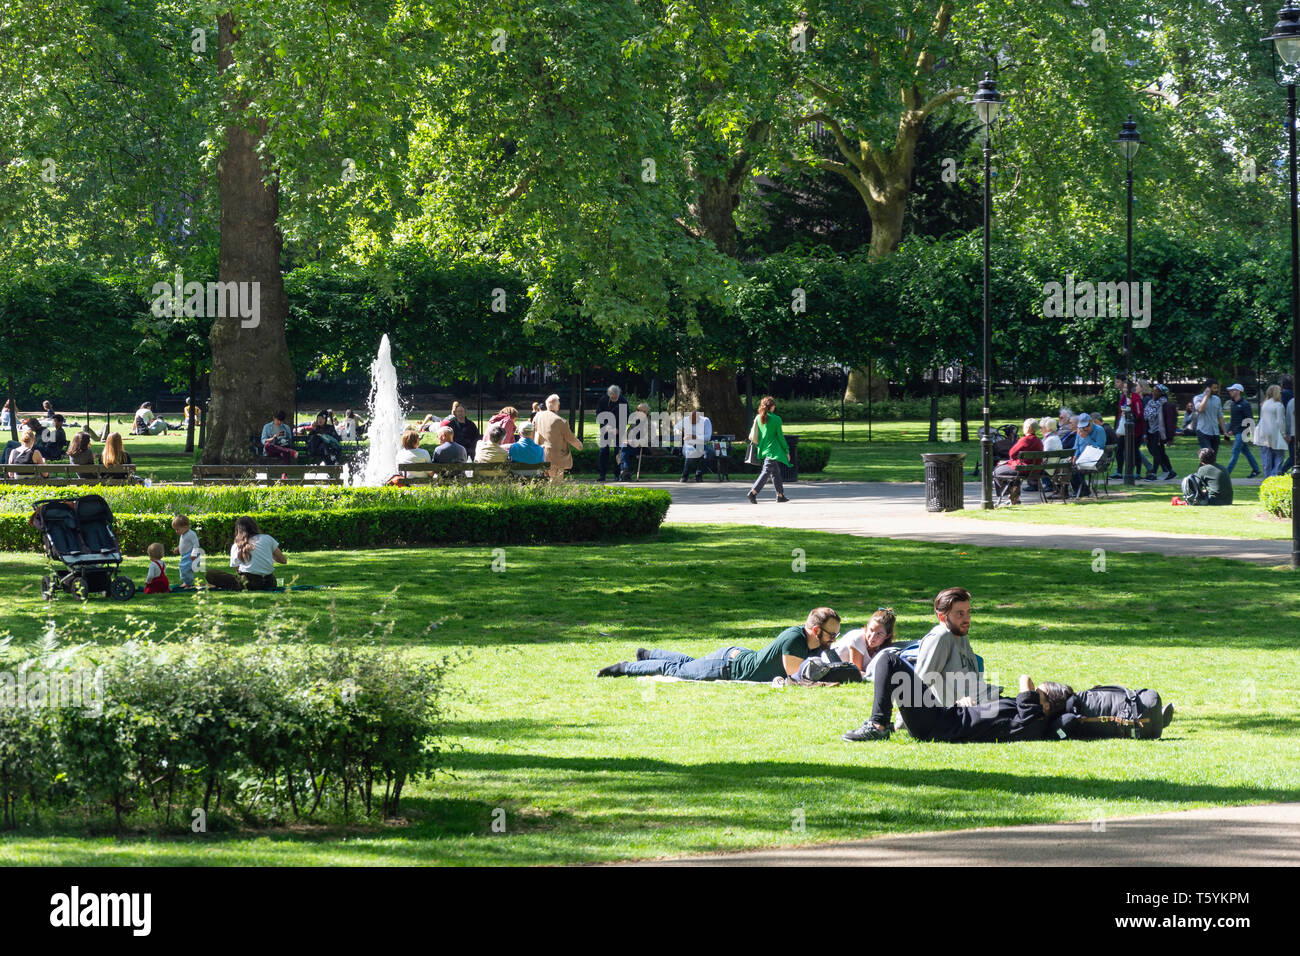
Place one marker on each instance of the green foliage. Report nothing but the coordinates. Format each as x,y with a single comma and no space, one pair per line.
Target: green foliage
275,728
305,519
1275,495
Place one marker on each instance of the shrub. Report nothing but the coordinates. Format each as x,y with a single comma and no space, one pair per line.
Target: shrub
268,730
396,518
1275,495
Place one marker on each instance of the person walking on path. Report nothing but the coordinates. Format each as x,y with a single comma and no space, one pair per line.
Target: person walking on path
1270,433
1240,418
1153,410
766,435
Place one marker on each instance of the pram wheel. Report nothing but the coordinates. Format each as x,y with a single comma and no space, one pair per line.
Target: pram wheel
80,588
122,588
47,587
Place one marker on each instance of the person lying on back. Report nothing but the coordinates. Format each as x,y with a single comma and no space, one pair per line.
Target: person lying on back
781,658
1027,716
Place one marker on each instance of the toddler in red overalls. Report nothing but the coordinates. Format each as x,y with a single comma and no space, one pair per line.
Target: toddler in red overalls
155,581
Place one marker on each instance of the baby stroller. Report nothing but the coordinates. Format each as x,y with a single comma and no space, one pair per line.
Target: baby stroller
83,551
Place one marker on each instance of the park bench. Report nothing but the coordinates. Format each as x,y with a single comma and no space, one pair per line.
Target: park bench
717,459
439,472
65,474
1003,438
1058,466
270,473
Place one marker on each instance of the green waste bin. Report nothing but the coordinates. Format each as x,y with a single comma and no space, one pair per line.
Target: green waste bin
944,486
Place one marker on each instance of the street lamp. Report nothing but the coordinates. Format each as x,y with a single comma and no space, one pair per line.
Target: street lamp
1129,141
1286,44
987,101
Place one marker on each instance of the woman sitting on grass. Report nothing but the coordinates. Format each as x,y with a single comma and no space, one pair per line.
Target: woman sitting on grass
254,555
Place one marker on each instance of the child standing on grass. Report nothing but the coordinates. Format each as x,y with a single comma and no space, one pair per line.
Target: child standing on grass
188,549
155,582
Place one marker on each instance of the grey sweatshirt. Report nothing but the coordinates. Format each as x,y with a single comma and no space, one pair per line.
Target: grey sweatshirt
946,664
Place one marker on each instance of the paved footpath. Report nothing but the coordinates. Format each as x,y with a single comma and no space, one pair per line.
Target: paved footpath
897,510
1267,835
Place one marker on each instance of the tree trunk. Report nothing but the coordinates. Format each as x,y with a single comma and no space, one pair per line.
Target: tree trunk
191,400
252,376
582,403
713,392
574,379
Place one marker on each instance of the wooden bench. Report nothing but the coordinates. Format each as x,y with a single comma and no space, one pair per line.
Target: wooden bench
271,473
717,460
1056,466
50,474
437,472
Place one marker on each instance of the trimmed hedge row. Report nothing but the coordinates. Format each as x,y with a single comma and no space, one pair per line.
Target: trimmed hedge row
1275,495
813,456
605,513
261,731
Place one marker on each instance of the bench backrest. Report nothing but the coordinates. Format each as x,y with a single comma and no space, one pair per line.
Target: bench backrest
67,474
469,470
267,474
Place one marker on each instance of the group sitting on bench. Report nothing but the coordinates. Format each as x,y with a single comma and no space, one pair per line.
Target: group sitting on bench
937,683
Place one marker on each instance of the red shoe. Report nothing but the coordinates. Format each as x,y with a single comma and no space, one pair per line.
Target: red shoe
1177,500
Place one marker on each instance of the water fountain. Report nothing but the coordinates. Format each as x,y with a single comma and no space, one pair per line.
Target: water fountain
387,419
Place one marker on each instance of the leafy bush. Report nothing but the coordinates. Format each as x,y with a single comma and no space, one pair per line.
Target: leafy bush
277,728
391,517
1275,495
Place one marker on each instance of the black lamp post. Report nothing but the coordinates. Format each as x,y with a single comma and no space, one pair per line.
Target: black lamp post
1129,141
987,101
1286,44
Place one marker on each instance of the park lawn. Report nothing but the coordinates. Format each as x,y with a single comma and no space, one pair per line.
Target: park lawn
588,769
1147,508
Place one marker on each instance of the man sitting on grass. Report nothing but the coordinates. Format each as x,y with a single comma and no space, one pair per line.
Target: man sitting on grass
1024,717
781,658
1211,485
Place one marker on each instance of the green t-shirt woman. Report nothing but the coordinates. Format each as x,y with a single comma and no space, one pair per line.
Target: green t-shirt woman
767,437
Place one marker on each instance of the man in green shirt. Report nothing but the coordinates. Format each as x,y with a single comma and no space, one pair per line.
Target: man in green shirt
1211,485
781,658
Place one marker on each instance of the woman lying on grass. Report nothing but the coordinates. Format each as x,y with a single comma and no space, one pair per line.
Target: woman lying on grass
1031,715
1025,717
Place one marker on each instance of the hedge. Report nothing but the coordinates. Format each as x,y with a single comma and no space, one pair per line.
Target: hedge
602,513
1275,495
265,731
813,456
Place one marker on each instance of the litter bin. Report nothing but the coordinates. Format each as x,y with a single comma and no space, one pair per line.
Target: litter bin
792,473
944,488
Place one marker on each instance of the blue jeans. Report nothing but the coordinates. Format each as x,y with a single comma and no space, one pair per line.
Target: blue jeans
715,666
1238,446
1272,461
187,571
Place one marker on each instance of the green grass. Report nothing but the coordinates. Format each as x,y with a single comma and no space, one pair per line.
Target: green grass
589,769
1144,508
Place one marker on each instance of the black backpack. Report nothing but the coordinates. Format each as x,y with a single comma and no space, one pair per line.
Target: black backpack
1112,711
826,668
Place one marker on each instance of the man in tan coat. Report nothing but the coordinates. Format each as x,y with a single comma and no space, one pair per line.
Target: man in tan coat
554,434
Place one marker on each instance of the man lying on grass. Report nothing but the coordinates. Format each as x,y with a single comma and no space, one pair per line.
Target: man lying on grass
781,658
1025,717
